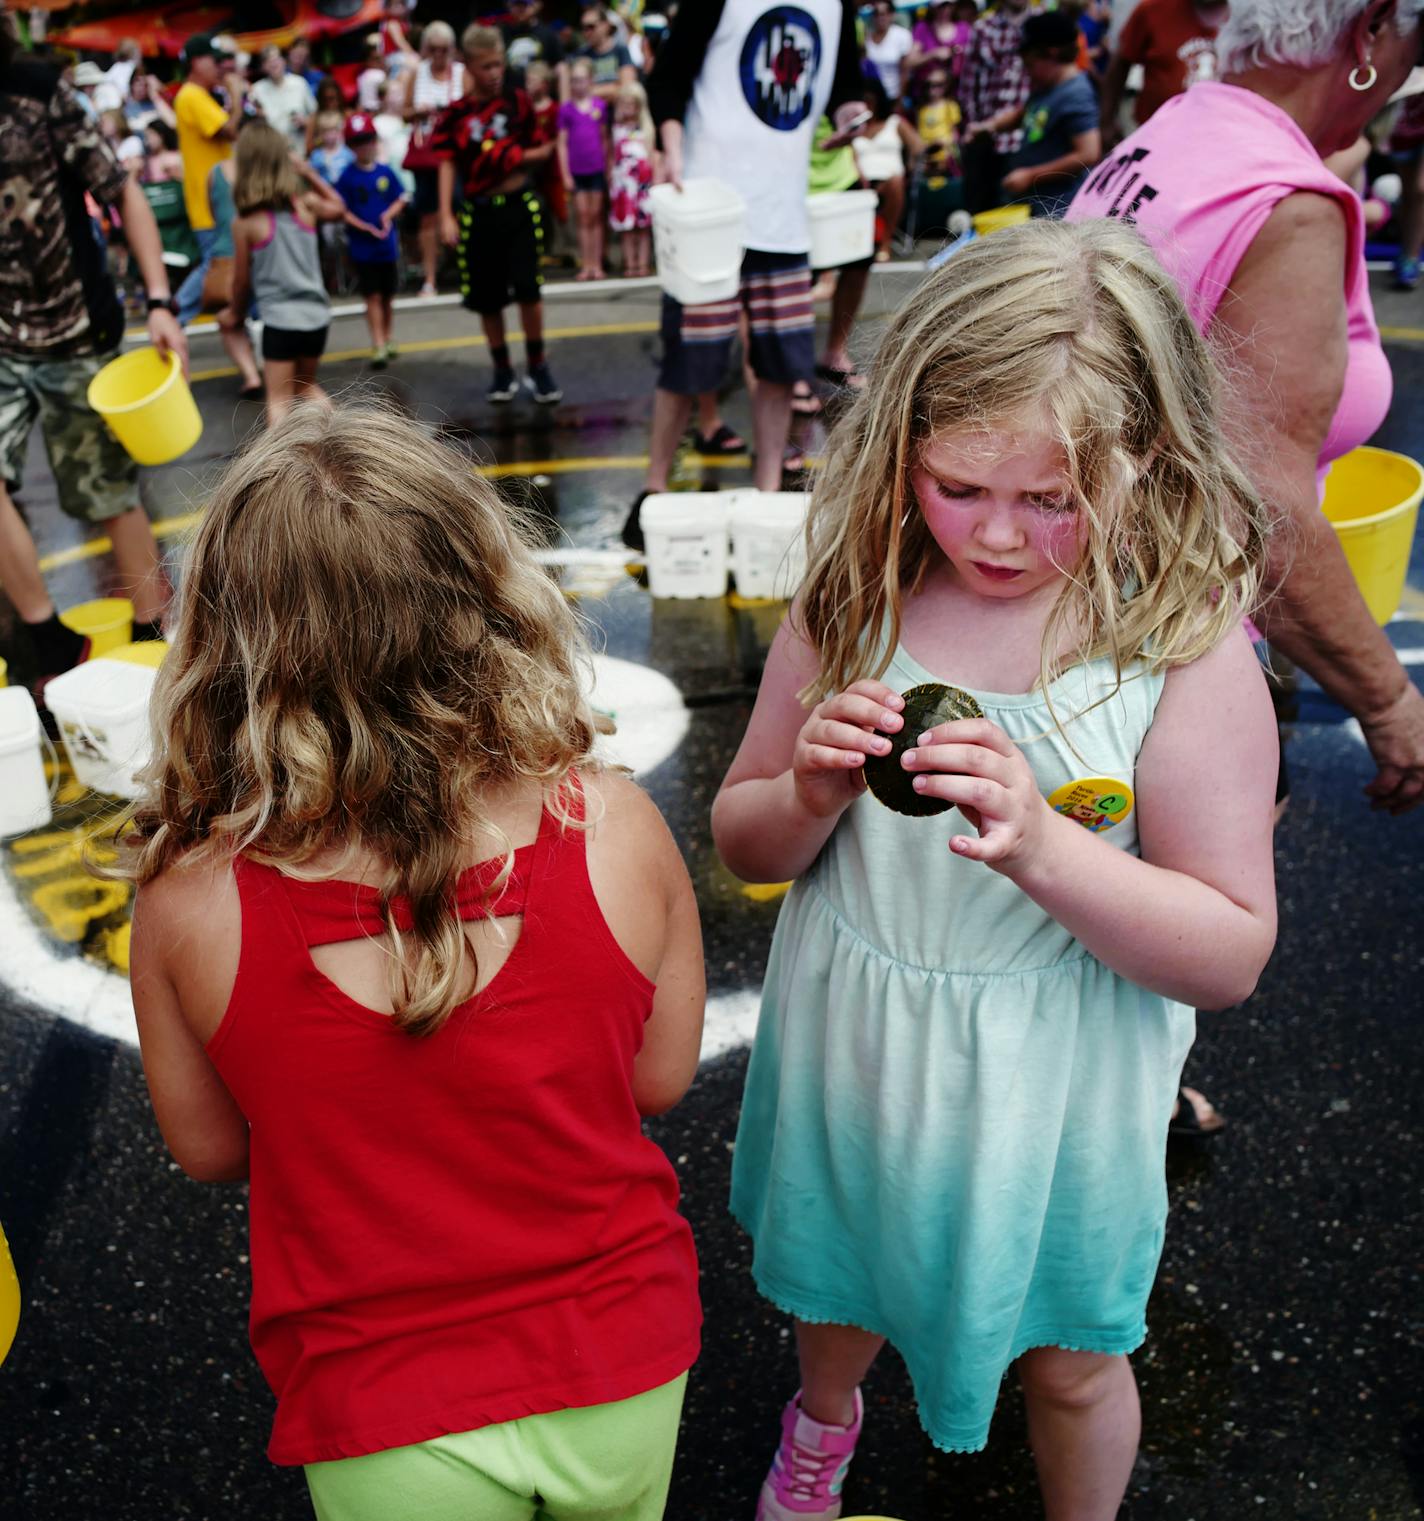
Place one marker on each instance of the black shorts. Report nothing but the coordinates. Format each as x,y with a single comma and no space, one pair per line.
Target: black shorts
376,278
501,240
293,342
426,200
595,181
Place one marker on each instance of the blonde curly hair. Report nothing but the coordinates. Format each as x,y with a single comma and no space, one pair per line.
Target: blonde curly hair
1078,325
365,648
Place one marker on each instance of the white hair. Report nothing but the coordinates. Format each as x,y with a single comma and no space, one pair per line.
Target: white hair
438,33
1300,33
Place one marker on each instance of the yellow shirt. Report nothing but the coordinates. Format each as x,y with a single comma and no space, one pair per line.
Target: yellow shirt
937,123
200,119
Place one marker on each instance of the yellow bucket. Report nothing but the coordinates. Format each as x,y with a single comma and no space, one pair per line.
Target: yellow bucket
148,652
147,404
4,671
1372,500
9,1298
986,222
107,622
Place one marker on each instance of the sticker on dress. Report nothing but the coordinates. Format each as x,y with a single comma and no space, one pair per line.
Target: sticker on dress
1095,802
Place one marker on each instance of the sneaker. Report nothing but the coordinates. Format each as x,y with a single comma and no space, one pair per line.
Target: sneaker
504,386
1406,274
809,1467
380,356
632,527
542,385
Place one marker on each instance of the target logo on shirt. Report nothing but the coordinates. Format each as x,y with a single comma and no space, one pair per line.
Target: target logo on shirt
780,60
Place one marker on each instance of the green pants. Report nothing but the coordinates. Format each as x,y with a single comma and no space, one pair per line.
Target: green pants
600,1463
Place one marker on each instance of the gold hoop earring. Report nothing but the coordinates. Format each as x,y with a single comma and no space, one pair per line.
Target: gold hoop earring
1368,82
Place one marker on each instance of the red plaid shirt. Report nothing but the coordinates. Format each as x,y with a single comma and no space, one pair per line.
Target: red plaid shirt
486,139
993,77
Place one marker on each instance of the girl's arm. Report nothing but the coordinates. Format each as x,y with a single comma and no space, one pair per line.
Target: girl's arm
1194,918
174,916
236,310
796,772
322,200
563,152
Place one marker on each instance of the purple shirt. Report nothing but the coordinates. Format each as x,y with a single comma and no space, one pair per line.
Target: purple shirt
585,132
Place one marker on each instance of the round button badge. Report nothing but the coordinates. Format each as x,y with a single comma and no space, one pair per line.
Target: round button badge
1095,802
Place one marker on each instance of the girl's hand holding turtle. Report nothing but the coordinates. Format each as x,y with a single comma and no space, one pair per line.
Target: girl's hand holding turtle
975,765
835,740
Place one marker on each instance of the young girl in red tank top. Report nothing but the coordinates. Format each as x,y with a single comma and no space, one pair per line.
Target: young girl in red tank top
410,960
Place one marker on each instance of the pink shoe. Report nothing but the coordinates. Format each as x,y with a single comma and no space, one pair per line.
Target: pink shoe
809,1467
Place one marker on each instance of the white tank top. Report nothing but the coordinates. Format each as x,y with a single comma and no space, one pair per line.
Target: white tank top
881,156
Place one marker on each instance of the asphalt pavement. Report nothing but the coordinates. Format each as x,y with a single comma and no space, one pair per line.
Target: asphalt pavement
1283,1375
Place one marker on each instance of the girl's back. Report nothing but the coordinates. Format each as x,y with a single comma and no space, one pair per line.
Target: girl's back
483,1198
286,270
408,957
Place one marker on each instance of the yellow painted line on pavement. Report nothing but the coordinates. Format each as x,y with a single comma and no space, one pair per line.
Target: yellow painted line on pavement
1408,334
465,341
164,528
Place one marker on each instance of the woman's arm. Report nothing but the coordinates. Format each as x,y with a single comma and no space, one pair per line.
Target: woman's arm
1283,326
1194,917
200,1121
914,143
1087,151
796,772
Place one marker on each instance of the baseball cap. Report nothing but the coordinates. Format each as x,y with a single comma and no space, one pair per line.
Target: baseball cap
88,73
360,128
204,45
1048,31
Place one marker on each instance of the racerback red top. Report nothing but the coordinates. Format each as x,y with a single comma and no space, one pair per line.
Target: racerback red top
459,1229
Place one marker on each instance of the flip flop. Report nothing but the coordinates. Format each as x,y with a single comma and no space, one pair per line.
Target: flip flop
1188,1128
724,441
804,401
847,380
251,393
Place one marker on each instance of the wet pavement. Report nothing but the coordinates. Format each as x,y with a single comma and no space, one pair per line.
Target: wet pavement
1283,1375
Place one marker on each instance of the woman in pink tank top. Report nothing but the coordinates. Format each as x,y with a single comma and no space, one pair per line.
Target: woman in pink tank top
1226,182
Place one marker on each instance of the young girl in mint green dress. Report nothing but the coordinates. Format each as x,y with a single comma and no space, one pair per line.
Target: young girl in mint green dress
974,1022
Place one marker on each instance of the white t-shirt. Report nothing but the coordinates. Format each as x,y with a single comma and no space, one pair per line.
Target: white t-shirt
368,89
887,55
763,86
281,103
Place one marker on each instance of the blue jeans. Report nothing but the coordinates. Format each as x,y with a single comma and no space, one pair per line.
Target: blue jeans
190,292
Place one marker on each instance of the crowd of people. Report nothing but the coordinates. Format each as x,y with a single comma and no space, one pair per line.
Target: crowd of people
451,959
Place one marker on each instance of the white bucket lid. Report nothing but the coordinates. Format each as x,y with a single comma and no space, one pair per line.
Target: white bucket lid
19,722
835,202
700,200
688,511
771,509
107,690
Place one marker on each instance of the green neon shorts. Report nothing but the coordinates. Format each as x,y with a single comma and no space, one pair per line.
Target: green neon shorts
600,1463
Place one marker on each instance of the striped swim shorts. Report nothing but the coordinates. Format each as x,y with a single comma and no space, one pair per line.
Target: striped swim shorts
776,295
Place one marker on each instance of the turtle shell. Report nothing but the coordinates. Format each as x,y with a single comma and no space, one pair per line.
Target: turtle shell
925,707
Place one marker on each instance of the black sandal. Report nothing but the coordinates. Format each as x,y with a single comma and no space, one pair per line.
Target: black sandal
844,380
1185,1127
724,441
804,401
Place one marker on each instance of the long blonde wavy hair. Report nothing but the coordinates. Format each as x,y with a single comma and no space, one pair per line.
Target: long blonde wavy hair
365,647
1076,324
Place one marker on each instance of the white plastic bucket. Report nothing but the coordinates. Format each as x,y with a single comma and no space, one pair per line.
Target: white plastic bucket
769,542
698,236
24,793
686,537
842,227
101,708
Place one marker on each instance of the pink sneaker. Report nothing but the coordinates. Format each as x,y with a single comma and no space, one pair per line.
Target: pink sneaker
809,1467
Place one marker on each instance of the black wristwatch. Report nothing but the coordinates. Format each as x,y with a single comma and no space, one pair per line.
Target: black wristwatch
163,304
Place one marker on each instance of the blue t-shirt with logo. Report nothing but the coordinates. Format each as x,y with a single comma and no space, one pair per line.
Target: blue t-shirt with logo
367,193
1050,123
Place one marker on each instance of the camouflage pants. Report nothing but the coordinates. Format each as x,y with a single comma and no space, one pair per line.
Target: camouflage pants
96,479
